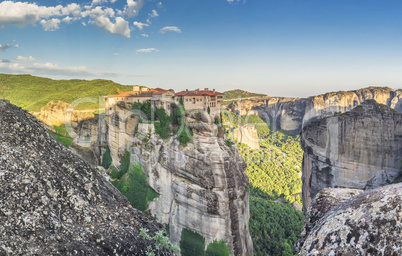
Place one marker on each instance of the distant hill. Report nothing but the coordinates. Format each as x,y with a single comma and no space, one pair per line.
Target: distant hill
32,92
234,94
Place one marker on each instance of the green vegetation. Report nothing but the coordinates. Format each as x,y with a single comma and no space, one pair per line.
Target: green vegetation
164,124
61,130
124,165
234,94
66,141
191,243
274,227
273,172
107,159
161,243
275,168
32,92
163,128
134,186
60,133
217,248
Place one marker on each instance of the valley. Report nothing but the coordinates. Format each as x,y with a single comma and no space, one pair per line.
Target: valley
234,183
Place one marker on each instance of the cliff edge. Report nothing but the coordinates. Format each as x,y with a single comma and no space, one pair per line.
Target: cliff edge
354,222
359,149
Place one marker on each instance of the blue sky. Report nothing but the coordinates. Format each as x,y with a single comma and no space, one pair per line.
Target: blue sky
280,48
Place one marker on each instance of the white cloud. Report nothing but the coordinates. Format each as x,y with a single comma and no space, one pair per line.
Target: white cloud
133,7
145,35
159,4
95,2
170,29
120,27
6,47
52,69
67,19
72,9
147,50
50,25
21,14
110,20
109,12
153,14
24,59
140,25
232,1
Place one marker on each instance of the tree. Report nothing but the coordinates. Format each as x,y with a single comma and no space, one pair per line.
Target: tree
107,159
191,243
114,91
217,248
209,110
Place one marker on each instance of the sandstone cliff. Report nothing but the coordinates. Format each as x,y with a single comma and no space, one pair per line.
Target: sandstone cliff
291,114
202,187
353,222
56,113
53,203
247,134
359,149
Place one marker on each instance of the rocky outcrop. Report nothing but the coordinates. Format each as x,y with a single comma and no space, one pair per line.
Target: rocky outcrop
202,186
54,203
359,149
57,113
353,222
292,114
247,134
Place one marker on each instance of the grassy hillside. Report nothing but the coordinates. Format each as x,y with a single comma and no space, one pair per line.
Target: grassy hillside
234,94
32,92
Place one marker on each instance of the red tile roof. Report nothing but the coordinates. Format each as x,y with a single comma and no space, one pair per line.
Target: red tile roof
198,93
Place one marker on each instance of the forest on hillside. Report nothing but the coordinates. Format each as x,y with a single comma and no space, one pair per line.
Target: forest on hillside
32,93
274,172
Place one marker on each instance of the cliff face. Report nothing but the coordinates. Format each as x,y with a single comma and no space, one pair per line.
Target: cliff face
354,222
359,149
202,186
247,134
56,113
54,203
291,114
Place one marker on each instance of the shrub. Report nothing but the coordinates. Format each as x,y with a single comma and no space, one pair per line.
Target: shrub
185,136
163,127
229,143
135,187
216,121
107,159
217,248
191,243
161,243
124,165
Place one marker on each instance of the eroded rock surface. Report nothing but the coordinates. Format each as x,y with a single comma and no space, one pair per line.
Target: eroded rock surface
292,114
247,134
57,113
354,222
359,149
54,203
202,186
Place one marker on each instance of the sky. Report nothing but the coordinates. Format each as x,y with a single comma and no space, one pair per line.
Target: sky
293,48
